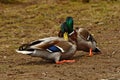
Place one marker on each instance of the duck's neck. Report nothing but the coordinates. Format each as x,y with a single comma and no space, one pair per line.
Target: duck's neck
73,37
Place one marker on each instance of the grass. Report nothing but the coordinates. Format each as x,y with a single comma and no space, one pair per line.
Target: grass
27,21
39,20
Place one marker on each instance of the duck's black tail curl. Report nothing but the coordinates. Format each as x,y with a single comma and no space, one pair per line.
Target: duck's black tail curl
97,51
23,47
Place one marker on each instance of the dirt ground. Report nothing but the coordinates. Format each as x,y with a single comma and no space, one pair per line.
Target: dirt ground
24,23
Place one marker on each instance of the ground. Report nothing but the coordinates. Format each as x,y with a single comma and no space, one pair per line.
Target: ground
27,21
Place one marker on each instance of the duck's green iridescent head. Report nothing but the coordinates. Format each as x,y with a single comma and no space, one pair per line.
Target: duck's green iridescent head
64,31
66,28
69,23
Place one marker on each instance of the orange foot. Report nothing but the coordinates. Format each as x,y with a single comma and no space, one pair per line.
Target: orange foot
65,61
90,54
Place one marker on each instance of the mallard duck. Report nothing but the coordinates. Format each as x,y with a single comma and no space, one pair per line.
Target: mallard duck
50,48
85,41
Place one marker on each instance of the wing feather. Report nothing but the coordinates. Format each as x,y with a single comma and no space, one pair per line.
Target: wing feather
44,43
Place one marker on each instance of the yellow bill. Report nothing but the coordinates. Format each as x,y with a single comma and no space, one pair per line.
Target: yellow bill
65,36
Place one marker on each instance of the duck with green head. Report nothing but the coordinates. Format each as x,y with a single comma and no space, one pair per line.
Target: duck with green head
50,48
85,41
66,28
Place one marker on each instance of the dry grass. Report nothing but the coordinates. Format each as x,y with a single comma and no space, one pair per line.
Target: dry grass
27,21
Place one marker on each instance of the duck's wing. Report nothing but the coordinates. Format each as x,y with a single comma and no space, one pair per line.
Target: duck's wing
52,44
84,34
91,38
44,43
64,46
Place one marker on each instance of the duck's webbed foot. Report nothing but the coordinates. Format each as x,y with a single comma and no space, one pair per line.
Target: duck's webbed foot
90,53
65,61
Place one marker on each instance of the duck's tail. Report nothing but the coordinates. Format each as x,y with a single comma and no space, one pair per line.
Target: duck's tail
25,49
97,50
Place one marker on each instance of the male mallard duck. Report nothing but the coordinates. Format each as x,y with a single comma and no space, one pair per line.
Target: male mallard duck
51,48
85,41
